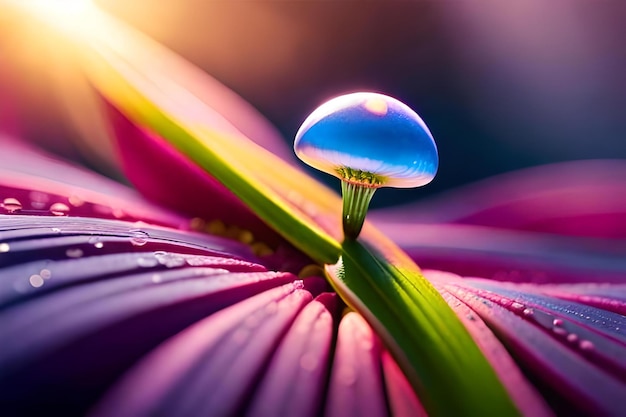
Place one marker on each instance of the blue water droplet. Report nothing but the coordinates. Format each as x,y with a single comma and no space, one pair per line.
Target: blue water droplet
369,133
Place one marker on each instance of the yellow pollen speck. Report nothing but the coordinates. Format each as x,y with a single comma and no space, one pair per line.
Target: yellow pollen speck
311,270
216,227
376,106
261,249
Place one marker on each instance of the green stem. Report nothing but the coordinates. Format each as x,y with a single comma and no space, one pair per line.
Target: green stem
356,200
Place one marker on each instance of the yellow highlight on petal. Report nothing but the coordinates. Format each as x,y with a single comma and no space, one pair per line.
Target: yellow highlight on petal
376,106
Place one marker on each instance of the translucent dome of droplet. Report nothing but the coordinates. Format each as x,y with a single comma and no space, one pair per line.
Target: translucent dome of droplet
369,132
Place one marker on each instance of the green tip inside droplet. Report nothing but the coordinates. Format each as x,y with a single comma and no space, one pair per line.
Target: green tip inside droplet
356,200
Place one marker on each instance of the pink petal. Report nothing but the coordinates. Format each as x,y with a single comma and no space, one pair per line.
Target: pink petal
294,382
82,192
355,387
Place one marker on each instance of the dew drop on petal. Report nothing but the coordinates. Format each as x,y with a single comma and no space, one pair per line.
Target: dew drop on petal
36,280
74,253
55,230
138,237
586,345
572,337
309,362
59,209
45,273
528,312
4,247
557,322
147,262
76,201
38,200
11,205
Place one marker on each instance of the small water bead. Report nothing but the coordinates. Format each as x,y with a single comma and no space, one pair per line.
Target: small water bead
586,345
4,247
367,140
59,209
138,237
147,261
74,253
36,280
38,200
528,312
55,230
45,273
11,205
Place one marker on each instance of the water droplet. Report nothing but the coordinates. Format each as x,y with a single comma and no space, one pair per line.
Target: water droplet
572,337
138,237
309,362
59,209
76,201
45,273
347,375
559,330
56,230
298,284
147,262
4,247
367,140
359,131
528,312
36,281
517,306
586,345
74,253
38,200
11,205
557,322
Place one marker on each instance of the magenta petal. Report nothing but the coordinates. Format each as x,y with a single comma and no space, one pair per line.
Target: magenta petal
294,382
581,198
356,387
510,255
402,399
209,368
166,176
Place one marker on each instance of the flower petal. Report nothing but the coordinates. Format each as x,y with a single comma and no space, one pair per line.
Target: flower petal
580,198
571,374
211,367
355,387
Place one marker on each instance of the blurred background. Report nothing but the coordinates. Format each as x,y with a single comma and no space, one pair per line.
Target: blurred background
502,85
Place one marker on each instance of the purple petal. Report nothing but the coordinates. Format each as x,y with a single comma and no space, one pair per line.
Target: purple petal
210,367
581,198
355,387
525,397
509,255
567,378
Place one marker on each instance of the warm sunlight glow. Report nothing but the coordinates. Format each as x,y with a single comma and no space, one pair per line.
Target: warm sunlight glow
70,15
